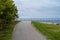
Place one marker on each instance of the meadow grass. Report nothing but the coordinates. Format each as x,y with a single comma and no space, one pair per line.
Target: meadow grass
51,31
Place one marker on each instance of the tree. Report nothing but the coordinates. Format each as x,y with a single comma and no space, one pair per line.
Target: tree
8,13
8,10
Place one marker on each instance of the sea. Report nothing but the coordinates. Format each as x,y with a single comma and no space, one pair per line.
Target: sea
51,20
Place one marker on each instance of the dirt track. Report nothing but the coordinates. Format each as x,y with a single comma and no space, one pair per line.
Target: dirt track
25,31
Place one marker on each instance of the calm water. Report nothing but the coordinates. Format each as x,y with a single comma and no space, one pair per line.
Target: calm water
52,20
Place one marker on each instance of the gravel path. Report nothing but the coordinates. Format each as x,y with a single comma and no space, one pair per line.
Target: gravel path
25,31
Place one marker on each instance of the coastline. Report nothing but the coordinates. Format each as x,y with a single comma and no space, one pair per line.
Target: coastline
50,23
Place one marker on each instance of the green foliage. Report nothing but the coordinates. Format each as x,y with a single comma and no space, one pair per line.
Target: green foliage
8,13
8,10
8,35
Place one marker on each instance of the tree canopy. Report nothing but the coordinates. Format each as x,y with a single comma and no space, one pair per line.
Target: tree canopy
8,10
8,13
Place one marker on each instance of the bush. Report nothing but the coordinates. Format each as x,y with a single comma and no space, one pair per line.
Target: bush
8,13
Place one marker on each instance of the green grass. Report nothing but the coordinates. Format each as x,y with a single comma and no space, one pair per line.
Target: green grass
8,35
51,31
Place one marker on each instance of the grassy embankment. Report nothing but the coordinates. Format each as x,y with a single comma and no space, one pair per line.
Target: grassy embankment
52,31
8,36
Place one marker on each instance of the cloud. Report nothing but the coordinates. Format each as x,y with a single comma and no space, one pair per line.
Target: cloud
38,8
36,3
39,3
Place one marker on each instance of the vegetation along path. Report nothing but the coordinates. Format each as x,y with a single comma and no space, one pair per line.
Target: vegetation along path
25,31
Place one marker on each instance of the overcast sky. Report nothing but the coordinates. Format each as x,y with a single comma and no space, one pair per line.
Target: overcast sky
38,8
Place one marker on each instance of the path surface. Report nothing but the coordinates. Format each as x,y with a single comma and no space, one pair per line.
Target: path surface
25,31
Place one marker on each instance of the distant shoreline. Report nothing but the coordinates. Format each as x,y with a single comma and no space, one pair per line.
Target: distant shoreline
50,23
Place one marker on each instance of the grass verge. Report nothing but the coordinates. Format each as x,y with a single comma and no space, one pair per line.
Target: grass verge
8,35
52,31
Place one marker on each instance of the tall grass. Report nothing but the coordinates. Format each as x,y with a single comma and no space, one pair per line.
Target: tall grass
52,31
8,35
